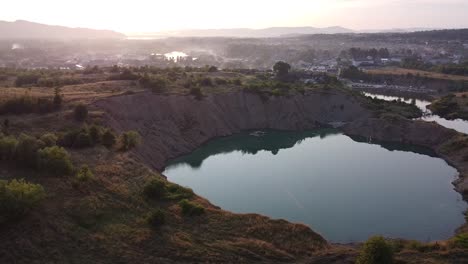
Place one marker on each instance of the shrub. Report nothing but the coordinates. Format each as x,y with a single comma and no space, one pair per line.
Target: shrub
18,197
176,192
83,140
156,85
130,140
221,81
376,251
80,112
55,160
49,139
190,208
26,104
206,81
237,82
197,92
27,79
84,174
57,98
26,150
108,138
95,133
8,148
156,218
460,241
126,74
155,188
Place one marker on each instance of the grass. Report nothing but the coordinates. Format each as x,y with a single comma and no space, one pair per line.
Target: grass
402,71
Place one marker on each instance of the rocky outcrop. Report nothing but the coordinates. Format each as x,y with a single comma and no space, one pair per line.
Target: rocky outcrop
173,125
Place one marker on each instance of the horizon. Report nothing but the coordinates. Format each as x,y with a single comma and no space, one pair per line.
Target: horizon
159,16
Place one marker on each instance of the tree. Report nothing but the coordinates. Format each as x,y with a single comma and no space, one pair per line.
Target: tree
18,197
84,174
49,139
57,98
156,218
80,112
197,92
109,139
130,140
376,251
8,147
55,160
26,150
95,133
281,69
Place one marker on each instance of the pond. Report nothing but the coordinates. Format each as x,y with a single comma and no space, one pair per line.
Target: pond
343,188
457,124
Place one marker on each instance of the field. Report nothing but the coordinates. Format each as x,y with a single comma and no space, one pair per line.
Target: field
402,71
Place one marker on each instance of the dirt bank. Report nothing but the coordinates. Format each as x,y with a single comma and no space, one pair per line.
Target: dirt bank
175,125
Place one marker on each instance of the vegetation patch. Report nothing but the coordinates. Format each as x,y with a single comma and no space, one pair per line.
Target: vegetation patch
191,208
376,250
17,198
157,188
156,218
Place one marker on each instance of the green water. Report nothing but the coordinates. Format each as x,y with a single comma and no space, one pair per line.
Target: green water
342,188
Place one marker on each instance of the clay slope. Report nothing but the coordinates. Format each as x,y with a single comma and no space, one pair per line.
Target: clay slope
174,125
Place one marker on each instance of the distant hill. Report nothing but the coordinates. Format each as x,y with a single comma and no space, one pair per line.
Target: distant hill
21,29
247,32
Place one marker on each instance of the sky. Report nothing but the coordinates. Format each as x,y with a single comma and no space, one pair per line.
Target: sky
157,15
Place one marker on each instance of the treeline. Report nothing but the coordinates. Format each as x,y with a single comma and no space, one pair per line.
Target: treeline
416,62
28,103
44,80
358,53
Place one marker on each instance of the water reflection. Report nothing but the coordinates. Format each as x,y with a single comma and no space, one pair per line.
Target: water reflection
457,124
249,143
344,188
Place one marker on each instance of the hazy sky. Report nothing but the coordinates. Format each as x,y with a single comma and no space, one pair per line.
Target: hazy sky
154,15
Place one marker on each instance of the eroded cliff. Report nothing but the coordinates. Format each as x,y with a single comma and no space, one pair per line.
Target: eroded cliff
174,125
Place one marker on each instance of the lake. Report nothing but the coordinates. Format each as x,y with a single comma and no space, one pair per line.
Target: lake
343,188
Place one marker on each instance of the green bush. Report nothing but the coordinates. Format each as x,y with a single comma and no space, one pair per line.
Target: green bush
190,208
55,160
155,188
18,197
80,112
376,251
26,150
27,79
197,92
26,104
460,241
8,148
84,174
95,132
129,140
83,140
49,139
156,85
108,138
156,218
176,192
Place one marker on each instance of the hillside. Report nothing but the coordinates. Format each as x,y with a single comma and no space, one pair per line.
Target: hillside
21,29
250,33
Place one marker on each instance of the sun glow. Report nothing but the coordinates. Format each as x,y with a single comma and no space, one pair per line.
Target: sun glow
150,16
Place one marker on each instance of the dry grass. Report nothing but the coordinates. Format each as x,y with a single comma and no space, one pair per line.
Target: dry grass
402,71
